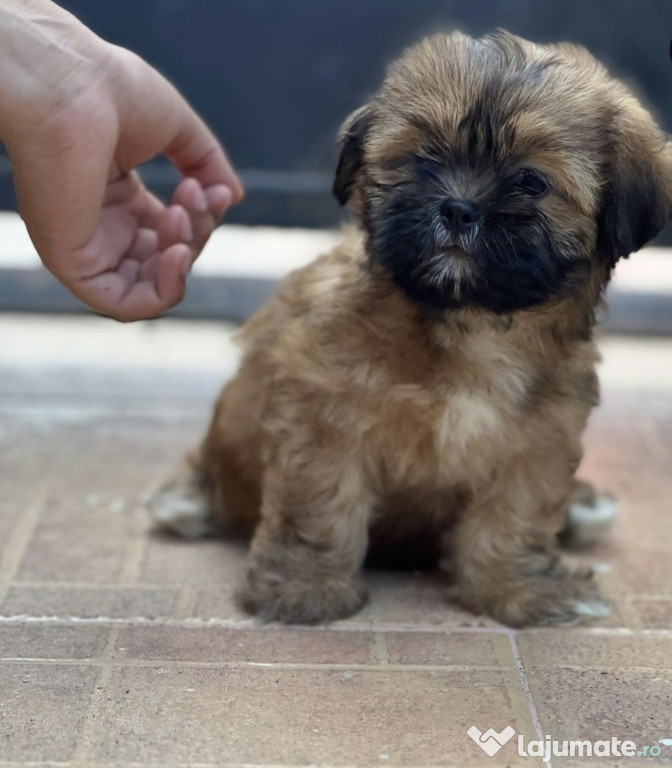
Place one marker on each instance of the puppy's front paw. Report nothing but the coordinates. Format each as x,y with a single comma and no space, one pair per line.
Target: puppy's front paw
559,597
296,601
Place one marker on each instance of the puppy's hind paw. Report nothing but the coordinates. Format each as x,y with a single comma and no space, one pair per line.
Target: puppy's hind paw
181,510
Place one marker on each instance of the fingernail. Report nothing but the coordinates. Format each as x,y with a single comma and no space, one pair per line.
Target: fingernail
186,230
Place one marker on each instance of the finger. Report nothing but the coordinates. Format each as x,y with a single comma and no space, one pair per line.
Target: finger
144,246
174,227
173,268
121,295
149,269
130,191
219,199
195,152
166,124
151,210
190,195
128,270
215,199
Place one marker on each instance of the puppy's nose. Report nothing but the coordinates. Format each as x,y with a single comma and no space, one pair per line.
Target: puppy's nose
460,216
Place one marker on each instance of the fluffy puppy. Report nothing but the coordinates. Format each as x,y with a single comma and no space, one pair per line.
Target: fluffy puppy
428,381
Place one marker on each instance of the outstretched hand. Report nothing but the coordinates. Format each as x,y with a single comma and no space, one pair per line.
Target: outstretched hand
74,139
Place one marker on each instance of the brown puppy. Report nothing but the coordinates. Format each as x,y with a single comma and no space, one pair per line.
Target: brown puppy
429,380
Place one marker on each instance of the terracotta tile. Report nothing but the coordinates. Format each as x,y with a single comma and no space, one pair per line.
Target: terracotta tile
99,454
111,439
586,649
213,568
170,560
644,572
591,704
85,602
413,599
590,685
643,508
615,448
654,613
395,599
14,501
80,543
601,558
46,641
298,716
216,602
22,455
290,645
122,506
449,649
106,481
43,710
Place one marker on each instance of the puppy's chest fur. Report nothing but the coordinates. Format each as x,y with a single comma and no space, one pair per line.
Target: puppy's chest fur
417,401
452,422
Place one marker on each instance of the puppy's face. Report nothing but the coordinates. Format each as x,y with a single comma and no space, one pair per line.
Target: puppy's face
499,174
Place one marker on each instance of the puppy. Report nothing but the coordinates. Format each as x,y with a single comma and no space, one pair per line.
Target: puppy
427,382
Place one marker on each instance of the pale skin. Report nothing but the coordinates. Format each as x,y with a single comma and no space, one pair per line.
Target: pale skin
77,116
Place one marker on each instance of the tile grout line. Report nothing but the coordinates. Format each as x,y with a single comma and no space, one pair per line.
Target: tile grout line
243,624
154,764
128,585
377,666
18,543
185,603
379,652
525,685
119,661
251,623
136,549
129,582
90,725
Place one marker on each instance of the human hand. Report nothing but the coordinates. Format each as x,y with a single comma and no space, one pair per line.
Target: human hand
77,126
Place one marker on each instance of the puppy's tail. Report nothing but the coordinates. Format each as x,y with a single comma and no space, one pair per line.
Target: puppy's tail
182,505
590,517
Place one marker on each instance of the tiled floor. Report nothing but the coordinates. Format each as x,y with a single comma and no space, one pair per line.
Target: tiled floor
121,646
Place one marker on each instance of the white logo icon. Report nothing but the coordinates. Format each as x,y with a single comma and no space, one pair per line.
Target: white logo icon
491,741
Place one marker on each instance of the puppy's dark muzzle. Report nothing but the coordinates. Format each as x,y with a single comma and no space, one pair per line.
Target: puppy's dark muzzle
460,217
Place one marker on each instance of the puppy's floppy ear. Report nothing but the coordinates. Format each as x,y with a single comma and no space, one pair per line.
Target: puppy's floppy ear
351,138
637,198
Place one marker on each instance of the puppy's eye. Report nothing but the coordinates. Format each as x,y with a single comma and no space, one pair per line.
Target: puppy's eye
531,183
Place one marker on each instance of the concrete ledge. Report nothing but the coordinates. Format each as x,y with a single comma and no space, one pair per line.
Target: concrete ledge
241,266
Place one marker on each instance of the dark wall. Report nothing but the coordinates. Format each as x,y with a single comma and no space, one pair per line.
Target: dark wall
275,78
